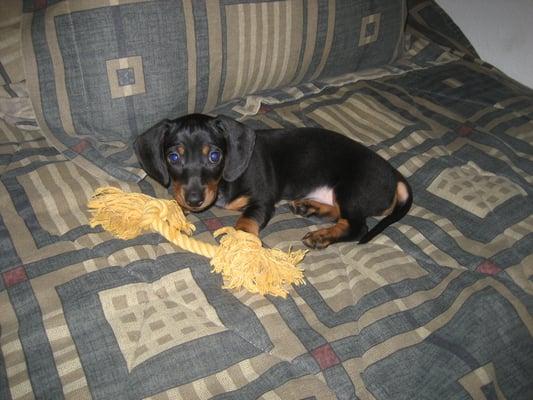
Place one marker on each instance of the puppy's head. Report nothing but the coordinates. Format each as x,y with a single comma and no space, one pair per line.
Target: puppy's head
193,153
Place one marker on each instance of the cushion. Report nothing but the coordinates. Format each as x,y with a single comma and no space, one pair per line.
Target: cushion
11,65
101,73
15,104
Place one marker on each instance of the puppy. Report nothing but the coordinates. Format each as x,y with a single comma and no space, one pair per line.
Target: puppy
207,160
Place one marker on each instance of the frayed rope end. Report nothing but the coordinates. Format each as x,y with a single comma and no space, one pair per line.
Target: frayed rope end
245,263
127,215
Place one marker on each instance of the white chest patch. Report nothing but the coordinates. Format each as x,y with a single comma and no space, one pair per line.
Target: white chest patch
323,194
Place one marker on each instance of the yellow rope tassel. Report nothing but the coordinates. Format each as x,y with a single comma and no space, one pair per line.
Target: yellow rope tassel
127,215
244,262
240,258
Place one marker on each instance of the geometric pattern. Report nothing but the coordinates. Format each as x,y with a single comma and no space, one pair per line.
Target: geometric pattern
192,57
14,276
488,267
325,356
369,29
147,320
385,264
439,305
257,70
477,380
473,189
125,76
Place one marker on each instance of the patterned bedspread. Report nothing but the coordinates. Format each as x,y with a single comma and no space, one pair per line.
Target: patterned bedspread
437,307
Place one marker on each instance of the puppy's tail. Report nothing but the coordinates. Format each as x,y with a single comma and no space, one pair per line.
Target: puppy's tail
403,205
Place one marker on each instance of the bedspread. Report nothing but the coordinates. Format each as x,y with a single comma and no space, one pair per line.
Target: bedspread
437,307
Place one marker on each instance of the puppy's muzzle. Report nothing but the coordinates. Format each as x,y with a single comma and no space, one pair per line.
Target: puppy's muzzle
195,198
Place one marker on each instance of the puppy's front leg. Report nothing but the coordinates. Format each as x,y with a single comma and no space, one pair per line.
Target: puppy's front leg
247,224
255,217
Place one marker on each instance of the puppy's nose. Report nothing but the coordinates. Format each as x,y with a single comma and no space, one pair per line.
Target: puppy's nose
195,198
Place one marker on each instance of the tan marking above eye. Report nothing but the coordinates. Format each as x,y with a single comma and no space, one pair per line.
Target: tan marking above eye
181,150
205,149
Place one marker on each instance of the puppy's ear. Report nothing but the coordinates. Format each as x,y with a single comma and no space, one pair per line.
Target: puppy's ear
240,141
149,151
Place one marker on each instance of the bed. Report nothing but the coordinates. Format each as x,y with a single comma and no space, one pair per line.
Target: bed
437,307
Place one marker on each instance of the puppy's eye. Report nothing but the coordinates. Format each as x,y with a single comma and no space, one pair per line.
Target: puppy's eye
173,157
214,156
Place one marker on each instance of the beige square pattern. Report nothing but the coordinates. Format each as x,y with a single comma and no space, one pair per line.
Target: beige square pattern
134,62
473,189
149,318
363,269
364,37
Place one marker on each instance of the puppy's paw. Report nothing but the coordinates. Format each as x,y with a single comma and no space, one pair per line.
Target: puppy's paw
303,208
317,239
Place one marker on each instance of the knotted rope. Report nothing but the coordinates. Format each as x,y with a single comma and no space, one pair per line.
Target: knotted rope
240,257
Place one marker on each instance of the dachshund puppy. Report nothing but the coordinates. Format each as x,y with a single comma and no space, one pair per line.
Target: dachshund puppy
207,160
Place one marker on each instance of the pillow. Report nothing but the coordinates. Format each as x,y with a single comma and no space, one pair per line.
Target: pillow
15,105
100,74
11,70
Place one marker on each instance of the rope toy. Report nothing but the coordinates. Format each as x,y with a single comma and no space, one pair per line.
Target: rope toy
240,257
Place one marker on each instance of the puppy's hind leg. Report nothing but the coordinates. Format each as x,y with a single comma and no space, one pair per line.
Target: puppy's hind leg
345,230
308,208
404,195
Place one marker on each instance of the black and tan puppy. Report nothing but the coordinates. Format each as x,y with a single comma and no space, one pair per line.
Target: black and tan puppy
206,160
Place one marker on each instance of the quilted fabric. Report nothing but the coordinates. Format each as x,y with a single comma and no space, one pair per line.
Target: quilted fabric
11,64
437,307
100,73
15,104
